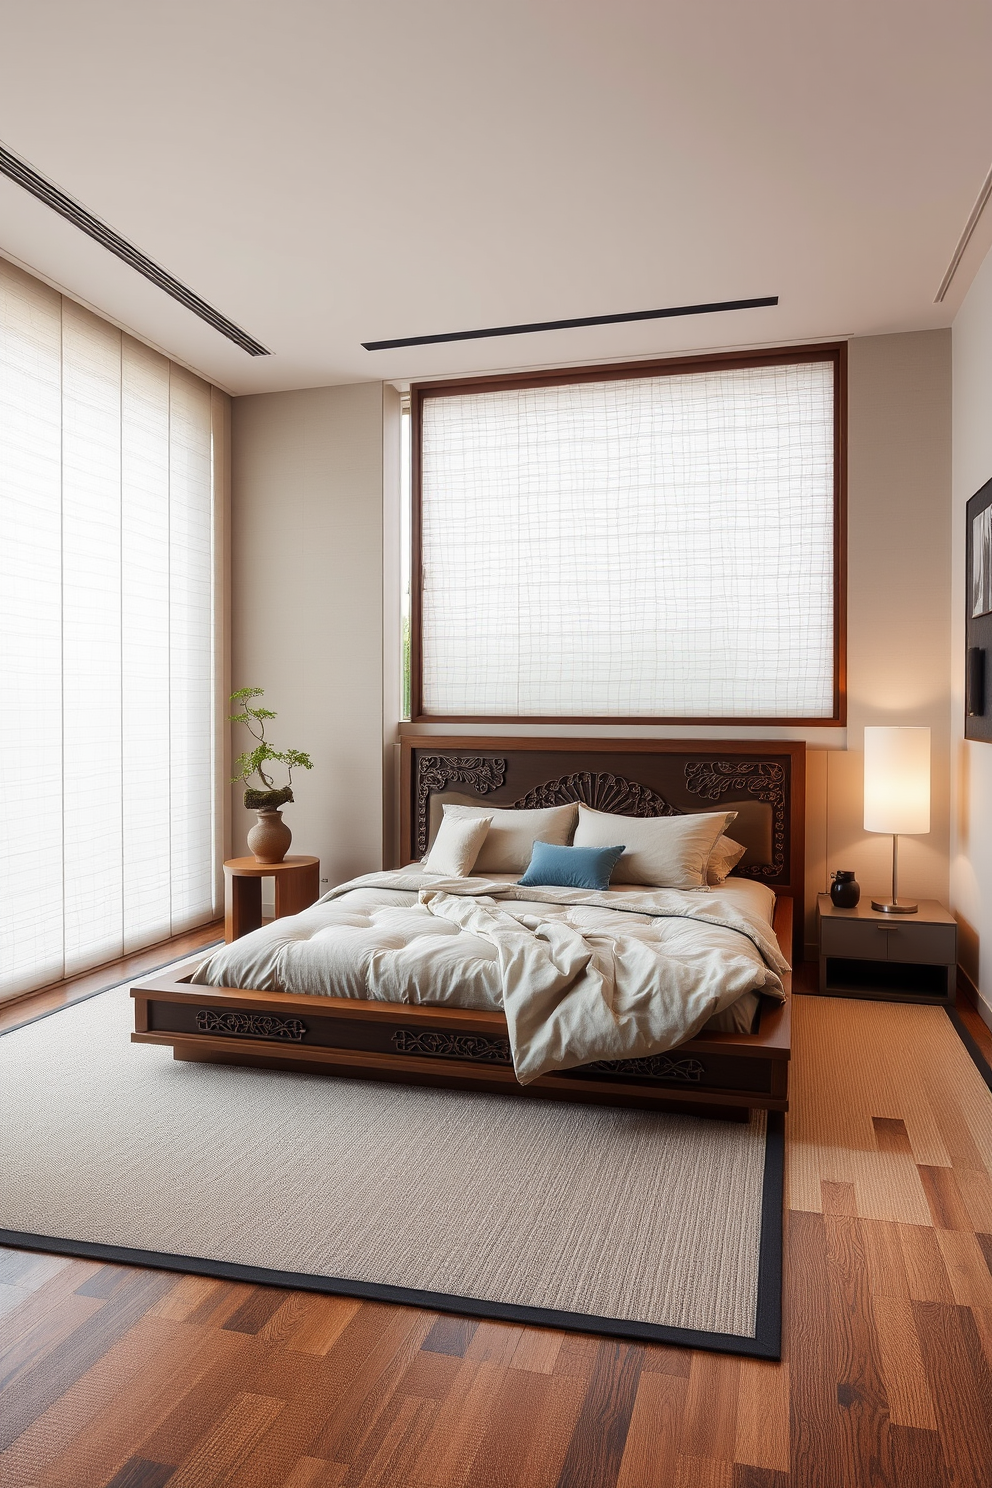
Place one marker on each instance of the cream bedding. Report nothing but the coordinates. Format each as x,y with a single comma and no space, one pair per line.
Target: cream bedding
580,976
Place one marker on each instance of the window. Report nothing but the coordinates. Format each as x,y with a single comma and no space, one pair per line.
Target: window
652,543
405,659
107,746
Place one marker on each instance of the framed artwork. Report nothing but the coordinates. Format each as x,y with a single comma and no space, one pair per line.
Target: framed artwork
981,563
978,616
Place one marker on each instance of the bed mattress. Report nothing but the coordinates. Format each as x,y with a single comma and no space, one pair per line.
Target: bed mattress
373,940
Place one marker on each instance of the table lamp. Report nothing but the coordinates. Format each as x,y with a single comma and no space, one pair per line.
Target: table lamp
897,794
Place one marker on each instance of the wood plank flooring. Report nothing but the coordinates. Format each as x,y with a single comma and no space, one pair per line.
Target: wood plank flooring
117,1377
15,1010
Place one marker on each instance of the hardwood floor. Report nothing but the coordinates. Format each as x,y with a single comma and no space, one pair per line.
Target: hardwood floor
117,1377
16,1010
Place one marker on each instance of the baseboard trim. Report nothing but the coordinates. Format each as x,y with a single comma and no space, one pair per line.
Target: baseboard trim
971,992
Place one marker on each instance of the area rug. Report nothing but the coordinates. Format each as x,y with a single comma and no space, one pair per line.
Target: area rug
654,1227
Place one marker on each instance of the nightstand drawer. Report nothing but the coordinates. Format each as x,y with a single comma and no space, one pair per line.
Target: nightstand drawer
889,940
863,940
930,945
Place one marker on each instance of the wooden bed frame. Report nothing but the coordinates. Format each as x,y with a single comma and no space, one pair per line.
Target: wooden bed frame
715,1074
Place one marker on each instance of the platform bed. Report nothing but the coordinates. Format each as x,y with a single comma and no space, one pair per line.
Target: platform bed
716,1074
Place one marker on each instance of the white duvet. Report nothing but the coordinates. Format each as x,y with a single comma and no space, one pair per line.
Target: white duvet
580,976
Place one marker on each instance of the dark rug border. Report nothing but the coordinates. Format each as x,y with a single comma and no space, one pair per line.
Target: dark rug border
766,1343
971,1044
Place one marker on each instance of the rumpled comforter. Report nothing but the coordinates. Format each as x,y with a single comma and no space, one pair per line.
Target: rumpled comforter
580,976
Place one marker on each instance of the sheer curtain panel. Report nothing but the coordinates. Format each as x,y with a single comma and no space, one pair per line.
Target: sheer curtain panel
658,546
109,833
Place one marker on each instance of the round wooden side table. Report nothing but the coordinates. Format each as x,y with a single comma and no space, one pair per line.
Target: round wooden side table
297,886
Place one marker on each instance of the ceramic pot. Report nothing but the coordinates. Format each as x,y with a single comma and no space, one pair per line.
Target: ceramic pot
845,891
269,839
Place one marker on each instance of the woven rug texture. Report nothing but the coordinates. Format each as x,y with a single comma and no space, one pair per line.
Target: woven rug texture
594,1210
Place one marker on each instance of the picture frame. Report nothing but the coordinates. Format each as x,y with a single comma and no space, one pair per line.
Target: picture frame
978,616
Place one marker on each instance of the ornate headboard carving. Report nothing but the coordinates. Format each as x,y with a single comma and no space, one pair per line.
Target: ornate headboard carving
763,779
631,777
436,772
596,788
602,791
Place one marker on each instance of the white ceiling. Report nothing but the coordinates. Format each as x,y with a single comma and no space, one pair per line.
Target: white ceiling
327,172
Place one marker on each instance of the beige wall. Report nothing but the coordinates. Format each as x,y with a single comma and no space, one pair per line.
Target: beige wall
307,590
971,841
315,516
899,578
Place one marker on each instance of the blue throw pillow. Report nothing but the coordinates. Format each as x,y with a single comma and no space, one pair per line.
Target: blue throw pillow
571,867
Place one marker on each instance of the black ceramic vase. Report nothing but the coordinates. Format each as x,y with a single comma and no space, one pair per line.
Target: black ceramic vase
845,891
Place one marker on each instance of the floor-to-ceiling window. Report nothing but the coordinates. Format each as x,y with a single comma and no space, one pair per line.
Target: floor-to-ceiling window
108,827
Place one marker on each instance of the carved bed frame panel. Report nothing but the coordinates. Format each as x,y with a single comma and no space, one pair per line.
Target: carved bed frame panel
722,1075
717,1074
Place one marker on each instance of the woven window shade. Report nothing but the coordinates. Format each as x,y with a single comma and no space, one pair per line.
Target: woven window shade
107,598
647,547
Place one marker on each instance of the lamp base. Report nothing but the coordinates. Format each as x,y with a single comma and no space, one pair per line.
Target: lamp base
889,906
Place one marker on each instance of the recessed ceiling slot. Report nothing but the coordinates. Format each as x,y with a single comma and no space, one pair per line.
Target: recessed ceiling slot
25,175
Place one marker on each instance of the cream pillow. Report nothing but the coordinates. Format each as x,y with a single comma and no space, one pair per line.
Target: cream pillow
456,846
667,852
512,834
726,855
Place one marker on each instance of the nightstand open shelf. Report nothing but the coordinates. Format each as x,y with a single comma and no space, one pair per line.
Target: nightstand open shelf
905,959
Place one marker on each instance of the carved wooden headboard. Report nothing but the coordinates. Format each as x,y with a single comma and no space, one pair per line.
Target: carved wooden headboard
765,782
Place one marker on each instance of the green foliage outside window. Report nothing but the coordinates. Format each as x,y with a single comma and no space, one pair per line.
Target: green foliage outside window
405,665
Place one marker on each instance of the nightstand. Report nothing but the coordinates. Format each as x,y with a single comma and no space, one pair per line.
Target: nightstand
297,886
867,954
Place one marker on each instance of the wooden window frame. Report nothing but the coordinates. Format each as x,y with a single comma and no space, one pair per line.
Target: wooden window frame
834,352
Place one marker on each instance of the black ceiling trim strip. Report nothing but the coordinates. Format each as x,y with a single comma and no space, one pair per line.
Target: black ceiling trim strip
568,325
25,175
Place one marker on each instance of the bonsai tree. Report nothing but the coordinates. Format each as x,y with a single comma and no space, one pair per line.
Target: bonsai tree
253,761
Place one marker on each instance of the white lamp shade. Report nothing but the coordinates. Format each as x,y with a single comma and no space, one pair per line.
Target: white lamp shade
897,779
